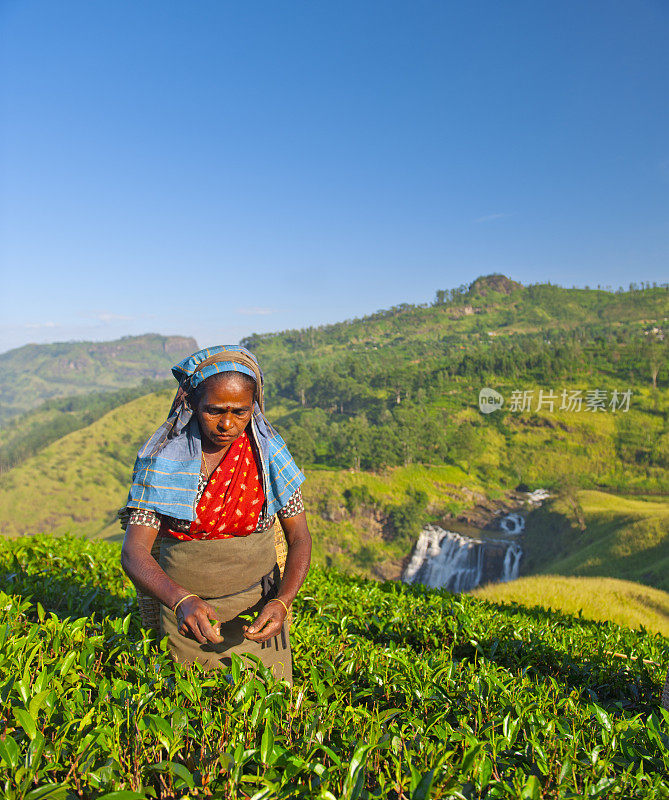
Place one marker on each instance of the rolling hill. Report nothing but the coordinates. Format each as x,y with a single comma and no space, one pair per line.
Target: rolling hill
33,431
352,391
623,536
81,480
382,414
34,373
77,482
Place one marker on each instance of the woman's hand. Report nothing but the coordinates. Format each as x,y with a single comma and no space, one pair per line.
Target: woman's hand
193,619
268,623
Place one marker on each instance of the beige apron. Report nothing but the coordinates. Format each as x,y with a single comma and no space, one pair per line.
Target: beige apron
236,576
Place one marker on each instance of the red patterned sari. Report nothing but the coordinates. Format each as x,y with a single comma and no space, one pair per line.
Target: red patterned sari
233,498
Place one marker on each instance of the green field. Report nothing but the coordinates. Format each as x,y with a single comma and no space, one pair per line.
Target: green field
399,693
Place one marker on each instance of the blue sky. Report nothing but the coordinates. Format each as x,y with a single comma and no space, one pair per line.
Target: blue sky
218,168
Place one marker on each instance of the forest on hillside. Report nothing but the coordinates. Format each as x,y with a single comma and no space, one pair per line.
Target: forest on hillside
401,386
372,410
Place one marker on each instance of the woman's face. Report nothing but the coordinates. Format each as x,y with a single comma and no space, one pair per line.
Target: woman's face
224,410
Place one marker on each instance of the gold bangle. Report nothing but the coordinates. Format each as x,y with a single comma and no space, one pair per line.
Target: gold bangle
279,600
185,597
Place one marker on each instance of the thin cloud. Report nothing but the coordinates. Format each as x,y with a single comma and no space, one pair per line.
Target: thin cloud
37,325
491,217
256,311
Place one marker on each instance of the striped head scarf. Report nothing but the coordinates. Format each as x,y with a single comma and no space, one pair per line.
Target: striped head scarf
167,467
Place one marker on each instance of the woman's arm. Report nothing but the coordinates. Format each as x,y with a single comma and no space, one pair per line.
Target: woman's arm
270,619
141,567
298,558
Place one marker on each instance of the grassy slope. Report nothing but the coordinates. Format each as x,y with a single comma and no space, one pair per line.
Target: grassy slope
31,432
540,448
78,482
625,537
603,599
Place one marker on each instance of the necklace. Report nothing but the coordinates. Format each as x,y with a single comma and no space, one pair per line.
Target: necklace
207,471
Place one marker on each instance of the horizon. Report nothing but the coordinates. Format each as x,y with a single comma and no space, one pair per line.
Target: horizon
311,167
609,289
620,289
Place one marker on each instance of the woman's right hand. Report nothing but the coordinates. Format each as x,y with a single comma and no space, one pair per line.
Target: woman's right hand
193,619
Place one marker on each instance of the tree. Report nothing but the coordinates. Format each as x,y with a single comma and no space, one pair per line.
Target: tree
406,519
466,445
302,382
567,487
655,351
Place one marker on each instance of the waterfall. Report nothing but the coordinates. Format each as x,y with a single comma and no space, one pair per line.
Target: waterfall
511,562
444,559
512,523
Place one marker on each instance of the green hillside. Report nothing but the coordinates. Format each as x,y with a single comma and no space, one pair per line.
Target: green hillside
402,386
539,455
31,432
37,372
82,479
492,305
622,537
399,693
615,451
362,522
378,469
604,599
78,482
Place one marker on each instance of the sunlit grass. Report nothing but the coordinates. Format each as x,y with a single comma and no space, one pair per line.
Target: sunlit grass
606,599
77,483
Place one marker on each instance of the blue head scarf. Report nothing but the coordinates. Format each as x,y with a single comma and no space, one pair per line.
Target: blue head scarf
167,469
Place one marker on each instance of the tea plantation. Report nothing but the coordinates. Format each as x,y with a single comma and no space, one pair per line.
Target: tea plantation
399,693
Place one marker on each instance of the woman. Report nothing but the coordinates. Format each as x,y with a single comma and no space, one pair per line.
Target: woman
208,483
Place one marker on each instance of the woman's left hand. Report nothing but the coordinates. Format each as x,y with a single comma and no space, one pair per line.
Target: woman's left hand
268,623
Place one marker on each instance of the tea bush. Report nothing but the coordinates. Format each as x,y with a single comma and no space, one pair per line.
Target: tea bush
399,692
